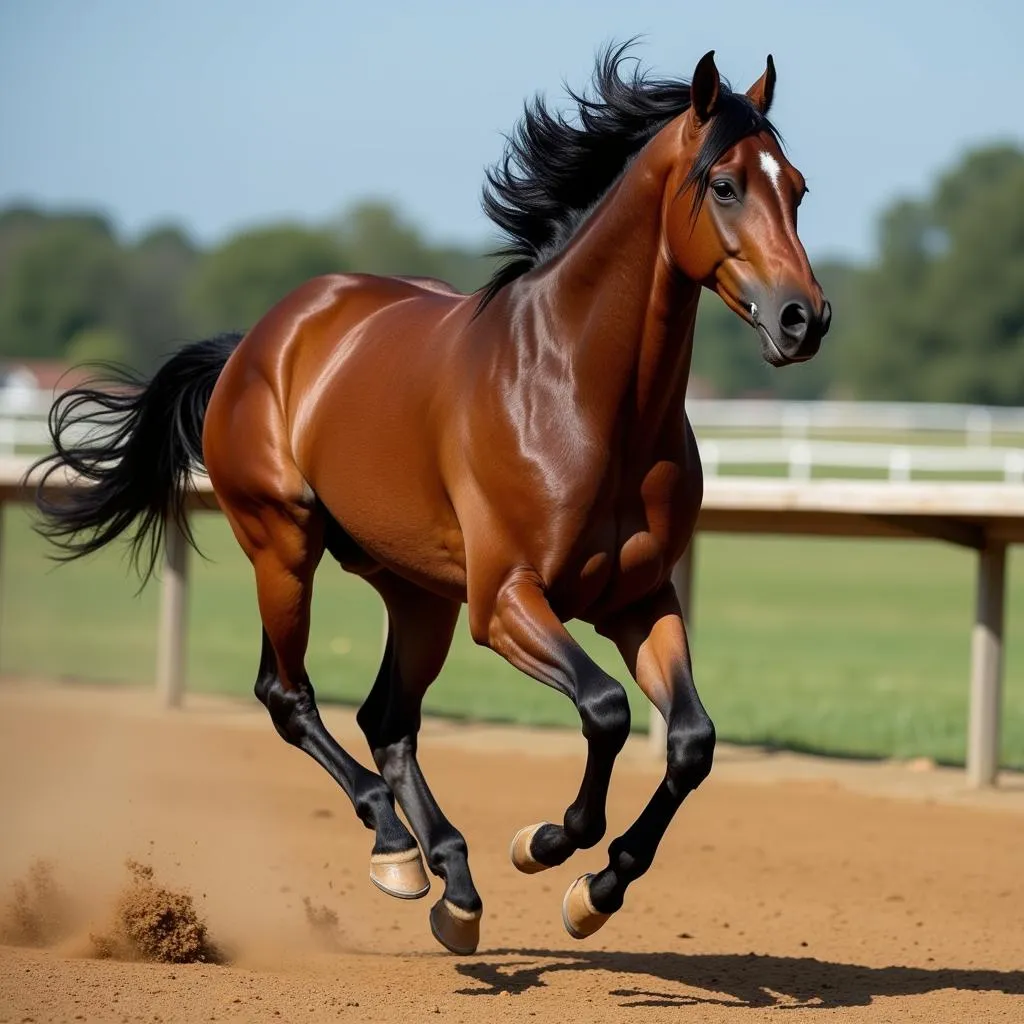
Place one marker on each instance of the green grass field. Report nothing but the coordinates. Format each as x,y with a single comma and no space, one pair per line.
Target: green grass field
852,647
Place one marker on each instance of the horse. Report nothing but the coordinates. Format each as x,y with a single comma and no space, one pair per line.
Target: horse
523,450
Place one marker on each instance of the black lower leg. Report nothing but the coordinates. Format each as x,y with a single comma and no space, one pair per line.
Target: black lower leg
604,710
443,844
632,853
691,744
297,720
391,729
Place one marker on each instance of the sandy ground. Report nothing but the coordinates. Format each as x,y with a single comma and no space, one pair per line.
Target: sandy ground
833,891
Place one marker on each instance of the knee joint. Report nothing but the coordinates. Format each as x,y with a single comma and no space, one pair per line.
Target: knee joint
372,800
691,752
288,709
605,715
394,760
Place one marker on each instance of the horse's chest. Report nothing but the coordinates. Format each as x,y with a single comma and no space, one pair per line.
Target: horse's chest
613,532
623,554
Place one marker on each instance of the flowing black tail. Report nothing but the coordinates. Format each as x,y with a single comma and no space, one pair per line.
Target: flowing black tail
134,441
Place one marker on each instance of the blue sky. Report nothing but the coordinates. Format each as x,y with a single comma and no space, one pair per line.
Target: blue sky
220,113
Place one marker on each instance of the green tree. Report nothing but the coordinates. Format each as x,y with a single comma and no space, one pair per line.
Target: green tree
942,311
63,275
98,344
18,225
156,320
235,285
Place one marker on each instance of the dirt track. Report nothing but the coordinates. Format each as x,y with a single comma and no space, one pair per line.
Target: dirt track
867,892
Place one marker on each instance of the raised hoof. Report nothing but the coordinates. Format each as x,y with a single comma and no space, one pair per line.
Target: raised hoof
519,851
578,913
400,874
456,929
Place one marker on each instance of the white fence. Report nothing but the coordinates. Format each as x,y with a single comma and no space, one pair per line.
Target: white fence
978,425
899,462
730,435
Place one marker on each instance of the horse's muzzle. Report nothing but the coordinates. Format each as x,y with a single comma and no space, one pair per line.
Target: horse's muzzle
791,330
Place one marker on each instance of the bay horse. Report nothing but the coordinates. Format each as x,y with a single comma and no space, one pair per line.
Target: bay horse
523,450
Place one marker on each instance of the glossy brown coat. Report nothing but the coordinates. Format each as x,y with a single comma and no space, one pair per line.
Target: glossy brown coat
528,455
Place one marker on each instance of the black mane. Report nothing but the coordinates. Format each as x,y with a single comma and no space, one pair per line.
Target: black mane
554,171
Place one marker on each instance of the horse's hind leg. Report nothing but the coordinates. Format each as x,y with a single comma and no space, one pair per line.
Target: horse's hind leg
420,628
284,540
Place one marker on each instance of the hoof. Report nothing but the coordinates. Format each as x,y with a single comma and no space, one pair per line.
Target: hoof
456,929
519,851
578,913
400,874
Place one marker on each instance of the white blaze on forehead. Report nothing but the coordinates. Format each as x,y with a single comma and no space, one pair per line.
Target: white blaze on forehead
771,167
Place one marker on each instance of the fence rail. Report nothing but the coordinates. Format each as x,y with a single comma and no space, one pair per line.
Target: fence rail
978,424
899,462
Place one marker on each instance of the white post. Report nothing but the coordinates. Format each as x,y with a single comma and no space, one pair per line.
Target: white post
1013,467
709,458
796,420
173,635
978,427
900,462
682,581
800,457
987,667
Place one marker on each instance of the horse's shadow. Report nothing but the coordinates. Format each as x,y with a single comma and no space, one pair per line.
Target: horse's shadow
728,979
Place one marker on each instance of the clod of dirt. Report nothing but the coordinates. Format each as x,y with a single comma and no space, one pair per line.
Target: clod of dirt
39,912
323,922
154,923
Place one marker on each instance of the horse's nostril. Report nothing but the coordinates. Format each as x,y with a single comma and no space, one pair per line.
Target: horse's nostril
826,318
794,319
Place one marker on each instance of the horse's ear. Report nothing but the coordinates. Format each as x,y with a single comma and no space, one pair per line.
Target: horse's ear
706,87
762,91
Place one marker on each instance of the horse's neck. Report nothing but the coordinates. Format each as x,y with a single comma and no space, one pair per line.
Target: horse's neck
620,314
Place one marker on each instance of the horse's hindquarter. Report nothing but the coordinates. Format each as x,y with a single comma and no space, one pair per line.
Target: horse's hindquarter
365,385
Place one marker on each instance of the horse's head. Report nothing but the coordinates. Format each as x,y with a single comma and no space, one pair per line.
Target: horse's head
731,216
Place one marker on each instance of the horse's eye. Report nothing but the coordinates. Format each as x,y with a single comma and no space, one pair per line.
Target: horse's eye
723,190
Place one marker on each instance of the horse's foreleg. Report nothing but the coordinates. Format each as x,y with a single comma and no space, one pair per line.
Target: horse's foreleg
420,630
285,543
652,640
527,633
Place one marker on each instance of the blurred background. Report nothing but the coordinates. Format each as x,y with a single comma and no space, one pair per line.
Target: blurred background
168,170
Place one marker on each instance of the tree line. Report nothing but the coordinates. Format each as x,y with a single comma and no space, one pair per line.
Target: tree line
937,314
